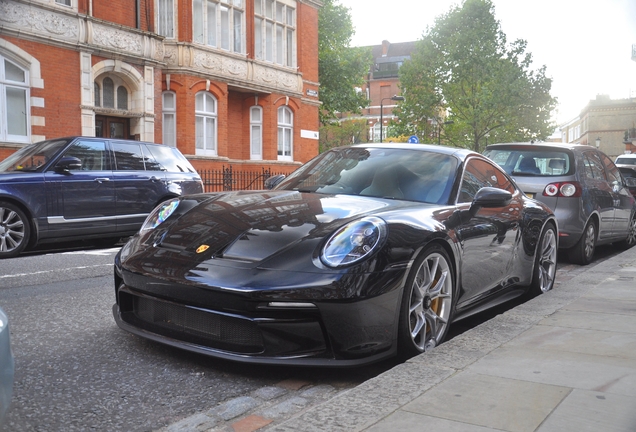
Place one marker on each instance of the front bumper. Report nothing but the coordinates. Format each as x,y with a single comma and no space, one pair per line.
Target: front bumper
257,327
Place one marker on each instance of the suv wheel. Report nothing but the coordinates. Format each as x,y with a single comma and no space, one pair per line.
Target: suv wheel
14,230
583,251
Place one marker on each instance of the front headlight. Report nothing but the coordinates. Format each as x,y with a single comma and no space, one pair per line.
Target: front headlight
160,214
354,242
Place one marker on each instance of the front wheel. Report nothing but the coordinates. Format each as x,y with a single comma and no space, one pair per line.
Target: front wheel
14,230
583,251
427,303
545,263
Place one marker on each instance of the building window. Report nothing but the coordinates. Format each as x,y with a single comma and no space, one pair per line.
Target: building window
205,113
14,102
256,133
63,2
219,23
275,31
165,18
285,133
169,117
111,93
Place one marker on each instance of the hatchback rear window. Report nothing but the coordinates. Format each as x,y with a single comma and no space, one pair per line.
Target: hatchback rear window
533,162
626,160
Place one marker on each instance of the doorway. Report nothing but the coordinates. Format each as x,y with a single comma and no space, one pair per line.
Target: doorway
112,127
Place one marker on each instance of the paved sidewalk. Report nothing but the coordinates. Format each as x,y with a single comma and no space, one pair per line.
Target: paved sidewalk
564,361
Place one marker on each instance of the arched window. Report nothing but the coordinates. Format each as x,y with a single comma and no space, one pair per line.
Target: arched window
205,124
169,118
256,133
109,93
122,98
285,133
98,101
14,102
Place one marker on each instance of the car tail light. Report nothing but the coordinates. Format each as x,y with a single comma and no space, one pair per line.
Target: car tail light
563,189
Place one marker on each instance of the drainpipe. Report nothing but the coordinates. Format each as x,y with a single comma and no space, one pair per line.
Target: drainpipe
138,13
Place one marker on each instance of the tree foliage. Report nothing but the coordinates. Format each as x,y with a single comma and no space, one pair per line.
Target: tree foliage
465,81
342,69
347,132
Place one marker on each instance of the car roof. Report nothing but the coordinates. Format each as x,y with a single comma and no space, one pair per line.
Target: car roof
628,156
74,137
541,145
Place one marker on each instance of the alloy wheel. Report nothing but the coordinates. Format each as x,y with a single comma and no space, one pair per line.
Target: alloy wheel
547,260
12,230
430,302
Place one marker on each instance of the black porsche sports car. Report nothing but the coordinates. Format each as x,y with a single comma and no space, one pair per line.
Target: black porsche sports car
365,252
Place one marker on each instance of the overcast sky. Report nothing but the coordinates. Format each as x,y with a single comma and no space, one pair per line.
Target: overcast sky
585,44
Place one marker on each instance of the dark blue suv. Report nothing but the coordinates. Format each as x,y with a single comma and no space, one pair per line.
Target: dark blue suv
86,188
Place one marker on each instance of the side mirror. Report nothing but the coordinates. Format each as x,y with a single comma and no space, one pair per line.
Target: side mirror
271,182
68,163
489,197
630,181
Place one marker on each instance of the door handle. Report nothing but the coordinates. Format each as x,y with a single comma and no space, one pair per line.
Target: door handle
102,179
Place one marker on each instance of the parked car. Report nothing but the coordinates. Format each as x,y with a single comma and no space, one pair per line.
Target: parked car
365,252
581,185
6,366
86,188
627,166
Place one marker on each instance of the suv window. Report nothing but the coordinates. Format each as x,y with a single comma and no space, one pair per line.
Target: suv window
170,159
128,157
93,155
626,160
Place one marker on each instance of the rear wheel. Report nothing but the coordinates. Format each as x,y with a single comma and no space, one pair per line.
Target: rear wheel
427,303
583,251
545,262
14,230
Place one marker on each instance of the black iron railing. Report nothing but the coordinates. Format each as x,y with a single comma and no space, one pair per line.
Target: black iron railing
227,179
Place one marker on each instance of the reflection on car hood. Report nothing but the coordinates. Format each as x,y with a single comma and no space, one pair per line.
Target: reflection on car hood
250,226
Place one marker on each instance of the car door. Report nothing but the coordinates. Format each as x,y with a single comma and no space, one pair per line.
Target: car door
489,237
623,199
598,194
81,201
137,189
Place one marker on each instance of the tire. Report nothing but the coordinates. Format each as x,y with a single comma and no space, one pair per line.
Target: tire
583,251
15,230
545,263
428,303
630,240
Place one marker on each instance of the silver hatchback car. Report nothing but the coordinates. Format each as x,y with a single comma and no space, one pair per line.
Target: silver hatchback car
583,187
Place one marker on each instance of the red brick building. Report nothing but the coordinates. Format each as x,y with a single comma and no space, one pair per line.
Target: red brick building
225,81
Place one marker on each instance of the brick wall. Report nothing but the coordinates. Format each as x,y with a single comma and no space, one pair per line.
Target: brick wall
124,12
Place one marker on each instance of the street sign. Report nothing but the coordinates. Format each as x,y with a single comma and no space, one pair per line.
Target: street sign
413,139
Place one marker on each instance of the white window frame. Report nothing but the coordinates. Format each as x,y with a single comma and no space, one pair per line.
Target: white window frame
5,84
169,117
117,82
285,146
165,18
68,3
256,133
205,118
219,32
274,35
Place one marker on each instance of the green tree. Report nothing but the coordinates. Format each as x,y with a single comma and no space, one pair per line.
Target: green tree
465,81
347,132
342,69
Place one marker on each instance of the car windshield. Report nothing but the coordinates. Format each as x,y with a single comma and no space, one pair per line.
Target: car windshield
380,172
533,162
32,157
626,160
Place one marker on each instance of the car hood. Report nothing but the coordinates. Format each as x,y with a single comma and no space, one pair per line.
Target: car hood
251,226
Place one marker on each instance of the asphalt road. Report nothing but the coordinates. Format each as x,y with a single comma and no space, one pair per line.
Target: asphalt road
76,370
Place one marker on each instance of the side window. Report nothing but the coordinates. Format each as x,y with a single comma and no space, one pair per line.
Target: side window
93,155
152,164
613,174
479,174
593,166
128,156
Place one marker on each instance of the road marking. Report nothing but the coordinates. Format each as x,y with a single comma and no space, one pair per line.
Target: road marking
53,271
